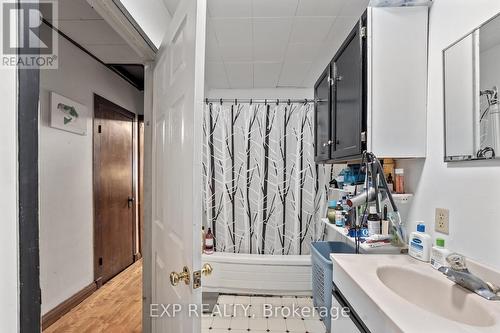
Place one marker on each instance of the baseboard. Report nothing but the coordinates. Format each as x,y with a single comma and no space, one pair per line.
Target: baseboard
53,315
137,256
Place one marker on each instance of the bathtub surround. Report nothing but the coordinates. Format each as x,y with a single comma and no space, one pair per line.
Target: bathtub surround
263,192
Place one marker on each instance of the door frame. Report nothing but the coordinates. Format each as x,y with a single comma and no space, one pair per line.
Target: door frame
96,184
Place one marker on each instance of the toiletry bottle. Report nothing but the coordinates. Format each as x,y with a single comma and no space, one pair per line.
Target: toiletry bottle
388,165
385,223
209,242
331,213
203,235
338,214
390,183
439,254
373,222
400,181
420,244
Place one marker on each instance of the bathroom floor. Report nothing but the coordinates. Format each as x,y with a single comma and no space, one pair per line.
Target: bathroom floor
259,314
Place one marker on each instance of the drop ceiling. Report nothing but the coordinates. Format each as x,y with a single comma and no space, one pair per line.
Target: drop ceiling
80,22
274,43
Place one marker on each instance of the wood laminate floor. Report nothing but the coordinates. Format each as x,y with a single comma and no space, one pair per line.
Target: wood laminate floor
116,307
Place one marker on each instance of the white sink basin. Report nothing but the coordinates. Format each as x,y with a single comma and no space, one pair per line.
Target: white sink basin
436,295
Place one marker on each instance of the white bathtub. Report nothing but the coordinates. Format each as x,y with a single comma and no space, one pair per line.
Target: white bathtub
258,274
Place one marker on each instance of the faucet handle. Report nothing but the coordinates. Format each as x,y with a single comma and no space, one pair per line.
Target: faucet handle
456,261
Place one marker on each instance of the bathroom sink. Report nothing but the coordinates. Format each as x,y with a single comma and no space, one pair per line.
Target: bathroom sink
437,295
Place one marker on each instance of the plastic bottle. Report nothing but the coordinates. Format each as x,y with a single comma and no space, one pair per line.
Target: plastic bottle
390,183
339,220
400,181
331,213
420,244
439,254
373,222
209,242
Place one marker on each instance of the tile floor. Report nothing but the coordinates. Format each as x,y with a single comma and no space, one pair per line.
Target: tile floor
258,314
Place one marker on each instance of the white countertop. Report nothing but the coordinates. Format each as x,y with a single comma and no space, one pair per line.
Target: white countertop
383,310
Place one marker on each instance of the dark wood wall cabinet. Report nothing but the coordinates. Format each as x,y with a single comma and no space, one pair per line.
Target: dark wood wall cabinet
375,89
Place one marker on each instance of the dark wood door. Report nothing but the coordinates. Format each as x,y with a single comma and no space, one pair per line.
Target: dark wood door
114,207
322,117
348,96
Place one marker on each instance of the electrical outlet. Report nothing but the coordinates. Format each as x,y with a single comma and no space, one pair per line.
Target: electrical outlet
442,221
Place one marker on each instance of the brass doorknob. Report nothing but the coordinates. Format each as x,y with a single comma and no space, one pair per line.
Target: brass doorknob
185,276
207,269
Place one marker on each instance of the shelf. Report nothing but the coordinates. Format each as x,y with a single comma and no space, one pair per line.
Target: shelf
364,248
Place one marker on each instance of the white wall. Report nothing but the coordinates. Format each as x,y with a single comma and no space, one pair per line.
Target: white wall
66,197
151,15
9,307
471,190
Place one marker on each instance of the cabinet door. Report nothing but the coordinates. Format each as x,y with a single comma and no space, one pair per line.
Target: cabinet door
348,96
322,117
342,324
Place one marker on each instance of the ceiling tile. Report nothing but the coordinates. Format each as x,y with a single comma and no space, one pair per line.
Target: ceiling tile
171,5
216,75
293,74
213,52
310,29
90,32
76,10
271,30
114,54
320,7
274,8
298,52
233,31
229,8
354,8
236,52
240,74
266,75
269,52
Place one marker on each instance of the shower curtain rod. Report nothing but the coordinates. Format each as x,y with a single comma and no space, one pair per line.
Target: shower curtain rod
260,101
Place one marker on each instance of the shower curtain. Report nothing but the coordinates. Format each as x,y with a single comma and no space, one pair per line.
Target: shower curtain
263,192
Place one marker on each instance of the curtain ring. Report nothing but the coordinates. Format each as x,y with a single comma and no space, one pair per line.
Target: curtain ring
289,102
265,102
305,101
250,101
235,101
221,101
277,102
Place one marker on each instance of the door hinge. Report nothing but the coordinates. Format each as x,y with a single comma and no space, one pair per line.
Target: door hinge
196,279
99,129
363,32
100,261
363,137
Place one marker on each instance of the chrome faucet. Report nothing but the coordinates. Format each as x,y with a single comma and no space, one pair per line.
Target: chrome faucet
458,273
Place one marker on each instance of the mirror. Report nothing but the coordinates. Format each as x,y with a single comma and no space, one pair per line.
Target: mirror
471,83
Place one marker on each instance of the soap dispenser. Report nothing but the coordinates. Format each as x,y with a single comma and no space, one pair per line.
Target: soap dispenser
420,244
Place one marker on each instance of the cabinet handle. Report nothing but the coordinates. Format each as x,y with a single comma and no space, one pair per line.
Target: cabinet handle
337,142
329,143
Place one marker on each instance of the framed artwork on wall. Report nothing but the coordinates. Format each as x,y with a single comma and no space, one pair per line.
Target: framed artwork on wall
68,115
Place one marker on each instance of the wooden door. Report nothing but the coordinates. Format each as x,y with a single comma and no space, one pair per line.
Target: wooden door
177,166
348,75
114,208
322,117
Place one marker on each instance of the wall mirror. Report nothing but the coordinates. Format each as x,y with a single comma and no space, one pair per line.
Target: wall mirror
471,84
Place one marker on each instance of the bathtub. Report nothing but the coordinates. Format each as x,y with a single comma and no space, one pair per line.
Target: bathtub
255,274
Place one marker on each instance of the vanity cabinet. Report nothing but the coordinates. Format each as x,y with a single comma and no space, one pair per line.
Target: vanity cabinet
347,323
377,89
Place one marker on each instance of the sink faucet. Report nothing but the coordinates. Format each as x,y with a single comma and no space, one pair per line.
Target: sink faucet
458,273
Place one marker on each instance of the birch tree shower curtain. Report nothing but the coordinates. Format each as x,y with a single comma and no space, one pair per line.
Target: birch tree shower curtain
263,192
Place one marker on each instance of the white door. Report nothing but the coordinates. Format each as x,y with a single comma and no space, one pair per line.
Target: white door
177,171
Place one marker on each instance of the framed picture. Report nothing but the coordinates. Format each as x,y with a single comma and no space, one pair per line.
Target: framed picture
68,115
